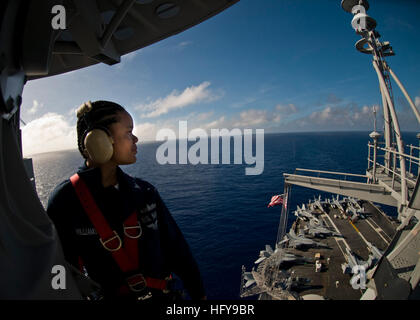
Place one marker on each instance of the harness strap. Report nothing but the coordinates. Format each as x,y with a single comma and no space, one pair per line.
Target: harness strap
126,256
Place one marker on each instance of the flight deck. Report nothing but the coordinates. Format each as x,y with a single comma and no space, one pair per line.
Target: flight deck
317,263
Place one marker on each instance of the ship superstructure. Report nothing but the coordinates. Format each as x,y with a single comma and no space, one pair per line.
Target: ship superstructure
347,248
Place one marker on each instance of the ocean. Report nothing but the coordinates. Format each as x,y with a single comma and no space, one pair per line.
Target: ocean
221,211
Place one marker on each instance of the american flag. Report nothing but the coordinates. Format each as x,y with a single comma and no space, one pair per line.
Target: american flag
275,200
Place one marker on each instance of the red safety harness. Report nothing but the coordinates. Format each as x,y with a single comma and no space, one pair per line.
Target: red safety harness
126,255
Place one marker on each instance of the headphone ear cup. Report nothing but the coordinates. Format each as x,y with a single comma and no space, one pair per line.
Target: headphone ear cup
99,146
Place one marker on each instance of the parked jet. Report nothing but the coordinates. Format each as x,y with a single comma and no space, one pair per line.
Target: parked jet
317,223
299,242
285,259
304,213
280,257
354,209
336,203
264,254
355,204
287,282
320,230
321,204
249,279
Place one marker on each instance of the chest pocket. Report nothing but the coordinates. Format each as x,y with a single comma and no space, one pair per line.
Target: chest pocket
148,216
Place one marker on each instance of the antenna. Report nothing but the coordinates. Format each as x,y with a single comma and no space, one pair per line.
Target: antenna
374,118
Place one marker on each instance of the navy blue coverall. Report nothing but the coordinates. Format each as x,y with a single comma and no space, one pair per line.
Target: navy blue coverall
162,247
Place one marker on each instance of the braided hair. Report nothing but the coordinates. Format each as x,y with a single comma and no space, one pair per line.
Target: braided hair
92,115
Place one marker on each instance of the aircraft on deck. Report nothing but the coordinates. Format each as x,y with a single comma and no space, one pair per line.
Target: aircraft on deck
304,214
280,256
338,204
300,242
320,230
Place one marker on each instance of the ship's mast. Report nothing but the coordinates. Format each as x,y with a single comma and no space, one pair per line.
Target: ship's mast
365,25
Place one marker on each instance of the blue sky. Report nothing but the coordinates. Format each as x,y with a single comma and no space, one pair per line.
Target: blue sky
277,65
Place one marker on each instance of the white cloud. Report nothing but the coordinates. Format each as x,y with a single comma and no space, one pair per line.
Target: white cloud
322,116
72,111
366,109
130,56
217,124
146,131
251,118
277,118
244,102
125,59
349,117
290,108
204,116
184,44
51,132
191,95
35,107
365,112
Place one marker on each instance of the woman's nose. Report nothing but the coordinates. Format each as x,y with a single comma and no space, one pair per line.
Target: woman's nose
135,139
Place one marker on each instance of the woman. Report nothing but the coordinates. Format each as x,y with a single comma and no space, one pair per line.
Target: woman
115,227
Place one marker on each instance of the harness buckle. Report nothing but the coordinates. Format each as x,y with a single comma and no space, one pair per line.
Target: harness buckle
138,227
148,295
167,280
115,237
137,282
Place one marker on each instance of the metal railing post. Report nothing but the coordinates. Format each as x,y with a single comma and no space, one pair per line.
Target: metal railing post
418,166
411,154
394,160
374,135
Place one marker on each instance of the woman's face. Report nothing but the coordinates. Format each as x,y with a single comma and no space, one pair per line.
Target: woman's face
125,148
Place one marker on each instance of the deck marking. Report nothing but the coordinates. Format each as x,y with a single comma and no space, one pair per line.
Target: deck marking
338,239
359,233
354,226
377,231
378,228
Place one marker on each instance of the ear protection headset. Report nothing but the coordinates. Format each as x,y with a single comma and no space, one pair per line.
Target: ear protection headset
97,140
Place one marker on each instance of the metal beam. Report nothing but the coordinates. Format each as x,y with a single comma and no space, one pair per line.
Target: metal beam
86,30
370,192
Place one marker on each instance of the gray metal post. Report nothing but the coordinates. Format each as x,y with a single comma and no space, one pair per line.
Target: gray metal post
418,165
394,167
374,135
411,154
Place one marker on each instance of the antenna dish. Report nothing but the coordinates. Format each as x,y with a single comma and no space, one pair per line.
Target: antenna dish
347,5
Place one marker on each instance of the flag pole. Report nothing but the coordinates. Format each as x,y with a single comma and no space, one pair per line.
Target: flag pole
284,214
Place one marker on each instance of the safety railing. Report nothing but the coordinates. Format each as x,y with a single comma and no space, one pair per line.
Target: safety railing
391,164
343,175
